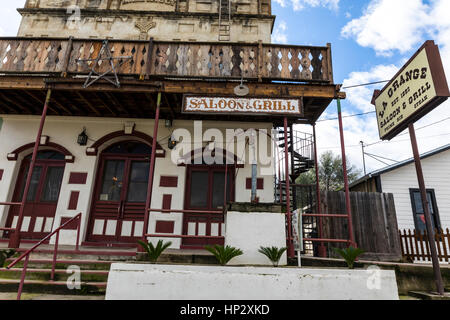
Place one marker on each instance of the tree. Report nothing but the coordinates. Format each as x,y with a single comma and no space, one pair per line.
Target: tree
331,173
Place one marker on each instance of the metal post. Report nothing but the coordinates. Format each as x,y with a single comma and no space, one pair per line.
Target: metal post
290,247
151,170
77,246
426,210
22,277
254,167
322,248
14,240
55,254
363,156
344,168
294,189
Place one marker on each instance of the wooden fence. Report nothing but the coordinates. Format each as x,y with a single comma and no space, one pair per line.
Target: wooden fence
170,59
415,245
374,223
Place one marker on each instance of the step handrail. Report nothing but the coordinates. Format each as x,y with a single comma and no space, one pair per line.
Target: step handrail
27,253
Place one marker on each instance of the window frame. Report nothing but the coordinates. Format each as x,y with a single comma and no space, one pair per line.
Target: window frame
433,204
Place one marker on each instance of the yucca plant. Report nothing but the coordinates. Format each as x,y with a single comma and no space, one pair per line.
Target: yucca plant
224,254
349,254
154,252
273,253
5,254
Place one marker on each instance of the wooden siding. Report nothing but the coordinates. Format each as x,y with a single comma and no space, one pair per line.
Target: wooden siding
436,170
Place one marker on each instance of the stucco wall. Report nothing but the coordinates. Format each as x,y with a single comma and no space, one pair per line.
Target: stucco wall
192,21
17,131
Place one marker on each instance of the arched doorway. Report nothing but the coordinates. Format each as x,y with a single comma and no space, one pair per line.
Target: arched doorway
43,194
118,205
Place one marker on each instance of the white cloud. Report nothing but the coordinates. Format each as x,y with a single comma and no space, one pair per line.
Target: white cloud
298,5
388,25
9,17
279,35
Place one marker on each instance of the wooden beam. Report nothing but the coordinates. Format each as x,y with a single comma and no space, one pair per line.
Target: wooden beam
87,103
116,103
39,100
104,104
16,104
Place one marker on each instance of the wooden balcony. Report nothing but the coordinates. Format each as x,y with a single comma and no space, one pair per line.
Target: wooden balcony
263,62
29,66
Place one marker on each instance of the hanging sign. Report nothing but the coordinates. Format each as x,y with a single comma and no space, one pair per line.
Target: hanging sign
419,87
240,105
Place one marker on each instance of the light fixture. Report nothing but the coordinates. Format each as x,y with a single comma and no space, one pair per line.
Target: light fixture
172,143
82,138
168,123
241,90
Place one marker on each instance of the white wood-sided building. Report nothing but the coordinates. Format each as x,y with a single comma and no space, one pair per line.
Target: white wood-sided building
401,180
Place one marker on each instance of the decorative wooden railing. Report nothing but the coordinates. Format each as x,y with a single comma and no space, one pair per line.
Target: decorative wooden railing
169,59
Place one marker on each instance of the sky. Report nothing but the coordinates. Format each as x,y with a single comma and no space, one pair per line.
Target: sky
371,40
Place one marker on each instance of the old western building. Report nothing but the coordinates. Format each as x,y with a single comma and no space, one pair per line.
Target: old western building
110,89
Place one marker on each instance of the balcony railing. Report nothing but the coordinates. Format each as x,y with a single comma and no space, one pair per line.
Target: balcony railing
199,60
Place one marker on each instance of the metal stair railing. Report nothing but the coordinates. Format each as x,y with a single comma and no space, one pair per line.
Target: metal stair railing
26,254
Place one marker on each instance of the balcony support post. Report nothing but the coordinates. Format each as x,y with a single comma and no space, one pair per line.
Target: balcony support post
14,238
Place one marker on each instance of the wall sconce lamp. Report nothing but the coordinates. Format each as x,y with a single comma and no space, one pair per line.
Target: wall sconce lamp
82,138
172,143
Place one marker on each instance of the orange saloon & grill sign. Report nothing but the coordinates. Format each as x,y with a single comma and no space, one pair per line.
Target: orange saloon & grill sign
415,90
239,105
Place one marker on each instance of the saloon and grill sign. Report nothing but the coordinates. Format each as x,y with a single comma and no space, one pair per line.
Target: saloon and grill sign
414,91
238,105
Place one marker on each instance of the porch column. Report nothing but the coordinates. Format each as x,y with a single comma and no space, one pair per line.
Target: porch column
322,248
290,246
14,239
344,168
151,173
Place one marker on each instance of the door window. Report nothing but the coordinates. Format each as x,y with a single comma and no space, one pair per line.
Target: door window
35,178
219,188
138,182
52,184
199,189
112,181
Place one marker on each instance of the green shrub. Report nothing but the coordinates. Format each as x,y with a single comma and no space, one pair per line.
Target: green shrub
154,252
349,254
224,254
6,254
273,253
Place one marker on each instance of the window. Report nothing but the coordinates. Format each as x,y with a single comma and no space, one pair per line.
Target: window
419,216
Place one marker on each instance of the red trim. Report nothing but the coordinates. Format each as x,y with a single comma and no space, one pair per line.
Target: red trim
78,178
167,202
12,156
164,226
73,201
1,174
71,226
93,150
259,183
168,182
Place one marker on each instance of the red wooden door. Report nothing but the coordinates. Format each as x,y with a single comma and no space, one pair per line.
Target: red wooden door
205,189
117,214
42,200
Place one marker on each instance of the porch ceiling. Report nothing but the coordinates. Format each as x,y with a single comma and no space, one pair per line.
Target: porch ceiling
137,99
